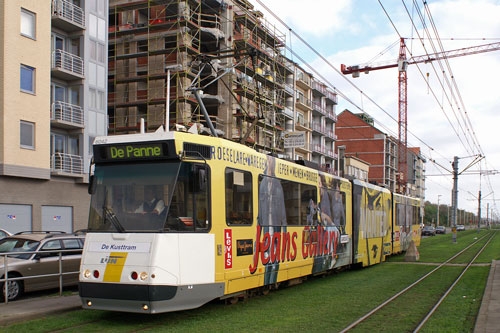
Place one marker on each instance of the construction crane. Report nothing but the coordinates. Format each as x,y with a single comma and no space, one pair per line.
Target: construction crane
402,64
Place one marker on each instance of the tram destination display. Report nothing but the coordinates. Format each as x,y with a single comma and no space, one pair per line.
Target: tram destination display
131,152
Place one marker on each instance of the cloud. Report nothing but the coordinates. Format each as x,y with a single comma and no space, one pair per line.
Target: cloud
353,32
318,17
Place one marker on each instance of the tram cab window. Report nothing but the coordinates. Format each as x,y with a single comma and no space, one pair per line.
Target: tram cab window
239,195
189,206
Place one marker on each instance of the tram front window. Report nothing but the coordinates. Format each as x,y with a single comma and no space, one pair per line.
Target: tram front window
150,197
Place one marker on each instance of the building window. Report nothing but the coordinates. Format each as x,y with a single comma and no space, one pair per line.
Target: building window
27,79
28,23
27,135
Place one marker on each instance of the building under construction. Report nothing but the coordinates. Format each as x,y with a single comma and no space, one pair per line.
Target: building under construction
160,51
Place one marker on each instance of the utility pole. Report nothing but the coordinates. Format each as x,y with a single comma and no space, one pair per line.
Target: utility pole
439,195
479,212
449,224
488,215
454,199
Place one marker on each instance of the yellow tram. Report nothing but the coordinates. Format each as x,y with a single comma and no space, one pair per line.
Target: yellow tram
178,219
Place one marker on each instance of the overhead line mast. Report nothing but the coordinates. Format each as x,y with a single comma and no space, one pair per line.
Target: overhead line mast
402,64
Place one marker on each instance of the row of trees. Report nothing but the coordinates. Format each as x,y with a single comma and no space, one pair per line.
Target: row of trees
430,217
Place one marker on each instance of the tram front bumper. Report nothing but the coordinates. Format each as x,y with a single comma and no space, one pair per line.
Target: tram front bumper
147,298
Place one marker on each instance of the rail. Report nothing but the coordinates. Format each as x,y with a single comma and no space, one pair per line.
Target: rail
67,163
5,278
388,301
67,112
68,11
67,61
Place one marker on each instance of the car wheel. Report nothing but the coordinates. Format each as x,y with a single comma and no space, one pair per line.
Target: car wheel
14,289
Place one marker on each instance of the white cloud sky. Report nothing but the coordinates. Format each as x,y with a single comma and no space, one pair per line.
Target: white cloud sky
353,32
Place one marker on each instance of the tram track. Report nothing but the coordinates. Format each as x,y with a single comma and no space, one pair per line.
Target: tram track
390,300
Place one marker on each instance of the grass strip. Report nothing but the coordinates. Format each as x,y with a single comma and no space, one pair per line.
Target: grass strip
320,304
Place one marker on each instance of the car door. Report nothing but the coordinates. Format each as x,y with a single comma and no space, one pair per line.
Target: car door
43,263
71,260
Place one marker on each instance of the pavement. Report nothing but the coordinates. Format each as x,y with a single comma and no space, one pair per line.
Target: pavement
488,320
35,308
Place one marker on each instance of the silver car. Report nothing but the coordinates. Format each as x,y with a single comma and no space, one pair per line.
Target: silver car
43,263
4,233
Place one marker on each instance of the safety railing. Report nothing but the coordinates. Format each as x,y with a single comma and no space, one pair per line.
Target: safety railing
67,112
67,61
319,87
332,96
68,11
317,107
4,281
67,163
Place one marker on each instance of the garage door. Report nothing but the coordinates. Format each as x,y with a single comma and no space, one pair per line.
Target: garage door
15,218
57,218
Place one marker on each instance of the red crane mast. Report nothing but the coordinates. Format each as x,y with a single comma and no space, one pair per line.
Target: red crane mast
402,63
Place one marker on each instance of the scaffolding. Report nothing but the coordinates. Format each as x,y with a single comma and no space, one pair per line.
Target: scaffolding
259,81
149,41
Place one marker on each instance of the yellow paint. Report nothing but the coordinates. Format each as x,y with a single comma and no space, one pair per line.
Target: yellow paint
114,268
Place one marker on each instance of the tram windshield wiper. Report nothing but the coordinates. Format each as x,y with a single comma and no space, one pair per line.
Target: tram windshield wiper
109,215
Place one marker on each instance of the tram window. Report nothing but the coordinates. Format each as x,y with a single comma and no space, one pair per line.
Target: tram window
189,206
292,202
238,197
272,202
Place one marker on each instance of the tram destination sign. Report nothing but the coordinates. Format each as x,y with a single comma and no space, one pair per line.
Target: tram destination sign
131,151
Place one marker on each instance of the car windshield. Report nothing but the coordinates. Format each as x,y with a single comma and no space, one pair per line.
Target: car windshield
149,197
428,228
18,245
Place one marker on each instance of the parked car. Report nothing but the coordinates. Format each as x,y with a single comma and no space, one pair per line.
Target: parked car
460,227
429,231
440,230
46,261
4,233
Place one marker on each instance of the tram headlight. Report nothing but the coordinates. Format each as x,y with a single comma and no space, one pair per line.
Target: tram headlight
143,276
86,274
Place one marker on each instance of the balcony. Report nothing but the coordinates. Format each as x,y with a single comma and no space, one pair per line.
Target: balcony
66,165
67,16
317,107
66,115
331,154
289,89
303,102
317,148
67,66
319,87
301,122
332,96
303,80
331,114
318,128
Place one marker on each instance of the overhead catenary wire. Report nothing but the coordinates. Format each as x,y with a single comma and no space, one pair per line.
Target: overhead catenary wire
337,71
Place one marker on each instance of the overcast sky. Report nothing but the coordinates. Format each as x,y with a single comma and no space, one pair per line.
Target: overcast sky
353,32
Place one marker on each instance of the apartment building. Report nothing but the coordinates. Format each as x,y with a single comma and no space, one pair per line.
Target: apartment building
360,138
158,49
416,173
53,70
